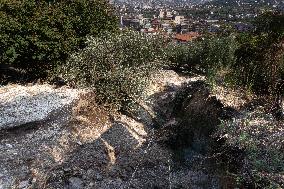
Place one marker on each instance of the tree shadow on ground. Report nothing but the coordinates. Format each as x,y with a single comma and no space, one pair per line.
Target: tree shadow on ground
117,159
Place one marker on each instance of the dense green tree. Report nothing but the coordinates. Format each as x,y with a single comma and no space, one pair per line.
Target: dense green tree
37,35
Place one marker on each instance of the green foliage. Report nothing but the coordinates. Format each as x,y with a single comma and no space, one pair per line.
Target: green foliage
272,23
259,65
218,53
261,138
36,35
259,62
207,55
251,60
116,66
184,56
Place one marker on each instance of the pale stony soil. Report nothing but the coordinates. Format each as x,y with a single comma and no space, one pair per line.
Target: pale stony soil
63,140
23,104
232,98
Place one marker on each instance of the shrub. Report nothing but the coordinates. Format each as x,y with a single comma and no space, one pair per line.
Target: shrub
207,55
251,60
36,35
218,54
116,66
261,138
185,57
259,64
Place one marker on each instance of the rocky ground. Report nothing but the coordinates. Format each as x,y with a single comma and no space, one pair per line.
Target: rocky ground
59,138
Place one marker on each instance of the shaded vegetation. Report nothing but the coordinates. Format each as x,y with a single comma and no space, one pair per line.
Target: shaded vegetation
261,138
260,56
37,35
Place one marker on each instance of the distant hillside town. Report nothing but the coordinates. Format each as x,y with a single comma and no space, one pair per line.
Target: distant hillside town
187,20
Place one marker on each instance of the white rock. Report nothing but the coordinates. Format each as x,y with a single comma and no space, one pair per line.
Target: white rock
24,104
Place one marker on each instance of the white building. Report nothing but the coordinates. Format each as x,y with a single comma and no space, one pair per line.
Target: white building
165,13
162,13
169,14
179,19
